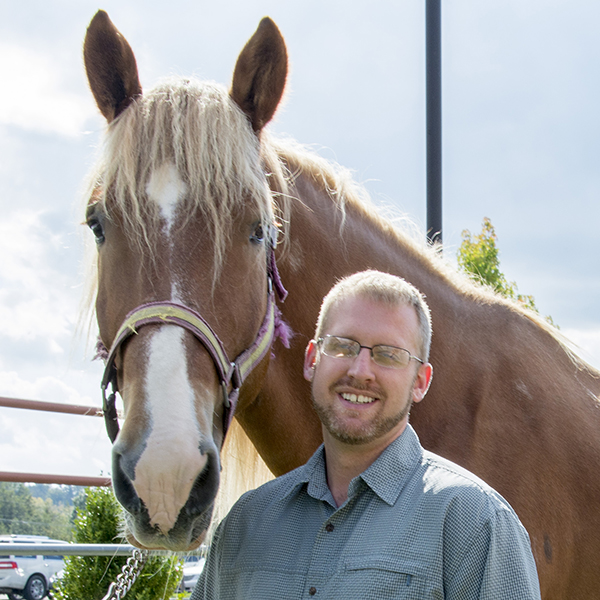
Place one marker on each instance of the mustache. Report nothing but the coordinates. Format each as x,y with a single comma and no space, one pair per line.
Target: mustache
350,382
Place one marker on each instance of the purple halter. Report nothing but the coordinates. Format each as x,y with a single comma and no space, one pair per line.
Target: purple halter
231,373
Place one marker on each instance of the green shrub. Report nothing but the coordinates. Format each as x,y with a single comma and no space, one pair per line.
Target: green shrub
88,577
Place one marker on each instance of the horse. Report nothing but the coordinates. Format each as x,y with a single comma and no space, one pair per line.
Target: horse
185,204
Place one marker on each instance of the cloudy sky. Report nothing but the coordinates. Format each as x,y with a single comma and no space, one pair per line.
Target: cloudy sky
521,87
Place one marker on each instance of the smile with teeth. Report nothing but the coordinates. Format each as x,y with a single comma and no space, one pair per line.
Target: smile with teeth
357,398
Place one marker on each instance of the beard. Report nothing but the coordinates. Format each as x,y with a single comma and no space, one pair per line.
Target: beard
337,426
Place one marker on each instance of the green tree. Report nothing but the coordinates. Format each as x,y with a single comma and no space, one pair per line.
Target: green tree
16,509
478,256
53,520
89,576
21,513
58,493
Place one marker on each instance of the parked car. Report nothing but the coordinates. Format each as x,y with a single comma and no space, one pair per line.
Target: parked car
54,579
28,576
192,568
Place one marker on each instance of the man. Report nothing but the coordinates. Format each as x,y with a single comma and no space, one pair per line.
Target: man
372,514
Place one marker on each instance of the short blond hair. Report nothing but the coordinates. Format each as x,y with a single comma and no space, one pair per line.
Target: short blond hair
379,287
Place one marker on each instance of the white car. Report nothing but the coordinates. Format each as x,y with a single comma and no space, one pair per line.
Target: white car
192,569
27,576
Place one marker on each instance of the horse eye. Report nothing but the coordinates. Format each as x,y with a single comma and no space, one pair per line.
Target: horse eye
258,236
94,222
97,230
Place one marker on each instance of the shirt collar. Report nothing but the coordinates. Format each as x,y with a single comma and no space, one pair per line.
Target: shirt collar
401,457
313,474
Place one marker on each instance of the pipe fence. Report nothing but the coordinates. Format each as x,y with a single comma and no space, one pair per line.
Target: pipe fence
68,549
73,409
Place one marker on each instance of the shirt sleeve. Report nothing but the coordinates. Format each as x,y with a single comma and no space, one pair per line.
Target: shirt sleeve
497,564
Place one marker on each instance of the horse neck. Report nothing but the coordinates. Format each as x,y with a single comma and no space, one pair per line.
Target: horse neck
480,345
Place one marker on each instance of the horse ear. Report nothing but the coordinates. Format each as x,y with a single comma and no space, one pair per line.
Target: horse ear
110,66
260,74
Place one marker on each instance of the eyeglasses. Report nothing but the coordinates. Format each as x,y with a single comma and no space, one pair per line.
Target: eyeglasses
382,355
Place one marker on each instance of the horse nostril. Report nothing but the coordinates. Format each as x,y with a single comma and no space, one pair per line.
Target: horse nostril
123,487
205,487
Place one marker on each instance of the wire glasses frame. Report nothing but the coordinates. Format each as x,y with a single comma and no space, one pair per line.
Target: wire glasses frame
385,356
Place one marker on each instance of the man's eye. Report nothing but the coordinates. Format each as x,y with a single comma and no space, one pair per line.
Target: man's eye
341,347
344,347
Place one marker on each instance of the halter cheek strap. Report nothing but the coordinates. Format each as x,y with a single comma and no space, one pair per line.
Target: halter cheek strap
232,374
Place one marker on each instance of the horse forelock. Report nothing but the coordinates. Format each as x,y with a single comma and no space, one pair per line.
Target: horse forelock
197,128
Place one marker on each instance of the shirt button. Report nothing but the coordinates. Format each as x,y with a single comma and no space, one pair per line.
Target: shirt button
329,527
312,591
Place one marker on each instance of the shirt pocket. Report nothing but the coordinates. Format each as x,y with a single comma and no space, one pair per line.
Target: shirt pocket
378,578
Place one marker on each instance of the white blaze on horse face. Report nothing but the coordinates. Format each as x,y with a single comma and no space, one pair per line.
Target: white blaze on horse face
171,461
166,188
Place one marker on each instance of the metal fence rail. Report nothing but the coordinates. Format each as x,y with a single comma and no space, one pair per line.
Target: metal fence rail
73,409
67,549
84,550
59,479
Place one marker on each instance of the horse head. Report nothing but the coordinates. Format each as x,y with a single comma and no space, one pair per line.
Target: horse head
183,216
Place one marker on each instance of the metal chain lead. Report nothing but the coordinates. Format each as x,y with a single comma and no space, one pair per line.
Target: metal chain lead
128,575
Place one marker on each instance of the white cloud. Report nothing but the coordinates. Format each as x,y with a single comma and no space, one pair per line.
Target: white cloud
36,299
34,95
47,388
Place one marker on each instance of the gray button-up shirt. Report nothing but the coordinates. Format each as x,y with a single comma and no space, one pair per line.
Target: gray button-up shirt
414,526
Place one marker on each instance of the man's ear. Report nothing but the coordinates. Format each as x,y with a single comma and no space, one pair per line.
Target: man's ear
310,360
422,382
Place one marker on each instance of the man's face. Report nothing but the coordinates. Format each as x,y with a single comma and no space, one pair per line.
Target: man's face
358,401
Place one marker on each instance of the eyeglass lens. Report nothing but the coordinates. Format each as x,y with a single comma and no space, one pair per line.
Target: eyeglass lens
382,355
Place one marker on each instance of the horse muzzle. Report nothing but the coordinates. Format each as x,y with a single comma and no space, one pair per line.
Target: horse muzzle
153,518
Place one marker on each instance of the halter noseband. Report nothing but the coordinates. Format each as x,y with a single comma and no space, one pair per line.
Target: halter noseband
231,373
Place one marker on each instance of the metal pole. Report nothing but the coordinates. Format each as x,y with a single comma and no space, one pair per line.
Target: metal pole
67,549
433,57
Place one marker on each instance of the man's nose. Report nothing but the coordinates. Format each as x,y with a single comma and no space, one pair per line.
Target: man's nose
362,366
